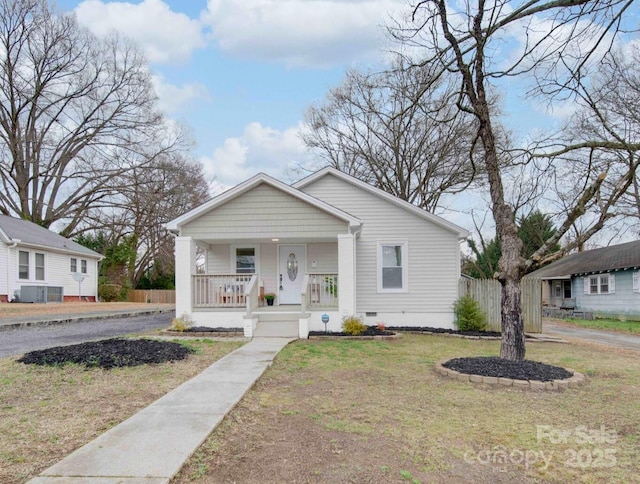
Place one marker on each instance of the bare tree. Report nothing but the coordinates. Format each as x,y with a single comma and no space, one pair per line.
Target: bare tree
561,39
151,195
387,129
73,108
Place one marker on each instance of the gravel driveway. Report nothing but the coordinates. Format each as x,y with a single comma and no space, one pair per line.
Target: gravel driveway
608,338
22,340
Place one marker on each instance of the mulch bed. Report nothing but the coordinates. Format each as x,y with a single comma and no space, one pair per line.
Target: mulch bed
501,368
110,353
207,329
370,331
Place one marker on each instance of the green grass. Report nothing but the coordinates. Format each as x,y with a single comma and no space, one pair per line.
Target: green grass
607,324
392,415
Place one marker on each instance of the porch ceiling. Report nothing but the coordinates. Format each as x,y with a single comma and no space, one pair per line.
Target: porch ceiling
263,240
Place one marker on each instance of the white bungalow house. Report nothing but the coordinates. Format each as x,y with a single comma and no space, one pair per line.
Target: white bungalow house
38,265
327,247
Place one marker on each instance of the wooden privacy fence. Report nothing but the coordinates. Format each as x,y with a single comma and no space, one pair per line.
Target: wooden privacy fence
488,293
152,296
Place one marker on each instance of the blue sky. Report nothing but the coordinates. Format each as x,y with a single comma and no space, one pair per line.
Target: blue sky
241,73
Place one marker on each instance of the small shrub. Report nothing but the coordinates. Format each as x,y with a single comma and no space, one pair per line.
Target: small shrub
109,292
181,324
353,325
469,315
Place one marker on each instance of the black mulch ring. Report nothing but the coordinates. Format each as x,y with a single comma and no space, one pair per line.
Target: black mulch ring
443,330
110,353
207,329
370,331
499,367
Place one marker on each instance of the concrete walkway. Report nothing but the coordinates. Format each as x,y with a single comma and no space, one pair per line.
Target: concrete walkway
152,446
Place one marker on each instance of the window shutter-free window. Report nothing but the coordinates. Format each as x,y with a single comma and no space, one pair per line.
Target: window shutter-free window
74,265
39,267
83,266
392,267
23,265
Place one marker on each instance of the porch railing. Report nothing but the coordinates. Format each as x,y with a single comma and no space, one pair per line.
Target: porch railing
322,290
220,290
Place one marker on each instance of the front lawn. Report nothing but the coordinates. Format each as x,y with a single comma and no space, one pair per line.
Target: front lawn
607,324
376,411
46,412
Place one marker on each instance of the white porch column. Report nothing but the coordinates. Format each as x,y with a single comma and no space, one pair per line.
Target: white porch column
185,267
346,275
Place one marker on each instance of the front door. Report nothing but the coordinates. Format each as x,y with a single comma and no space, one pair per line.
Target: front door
293,264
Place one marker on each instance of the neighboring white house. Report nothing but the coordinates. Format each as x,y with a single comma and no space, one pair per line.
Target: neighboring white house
328,245
38,265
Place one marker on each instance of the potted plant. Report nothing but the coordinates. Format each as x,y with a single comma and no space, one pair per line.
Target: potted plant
269,297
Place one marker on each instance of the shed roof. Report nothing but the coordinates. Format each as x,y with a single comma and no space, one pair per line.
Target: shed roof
615,257
25,232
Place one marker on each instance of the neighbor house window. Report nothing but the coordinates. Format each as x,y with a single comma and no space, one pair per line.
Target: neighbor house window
245,260
74,264
39,267
600,284
392,267
23,265
83,266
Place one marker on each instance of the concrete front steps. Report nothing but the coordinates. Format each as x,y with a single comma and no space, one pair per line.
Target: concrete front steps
277,323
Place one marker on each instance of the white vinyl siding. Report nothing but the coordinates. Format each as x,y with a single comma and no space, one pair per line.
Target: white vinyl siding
4,270
432,251
265,213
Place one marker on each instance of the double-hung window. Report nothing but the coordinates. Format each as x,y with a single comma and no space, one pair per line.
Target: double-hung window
39,267
392,266
73,266
83,266
600,284
23,264
245,259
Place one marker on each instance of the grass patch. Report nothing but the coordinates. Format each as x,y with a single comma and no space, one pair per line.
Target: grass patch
369,411
607,324
47,412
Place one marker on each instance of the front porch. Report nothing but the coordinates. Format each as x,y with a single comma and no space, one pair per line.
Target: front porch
309,280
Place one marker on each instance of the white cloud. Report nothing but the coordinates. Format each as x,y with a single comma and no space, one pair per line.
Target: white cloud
172,98
258,149
300,32
164,35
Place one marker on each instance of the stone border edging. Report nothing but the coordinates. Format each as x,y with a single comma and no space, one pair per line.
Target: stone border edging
343,338
575,381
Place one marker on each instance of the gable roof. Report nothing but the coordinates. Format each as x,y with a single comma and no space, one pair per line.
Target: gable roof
615,257
459,231
26,233
174,226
